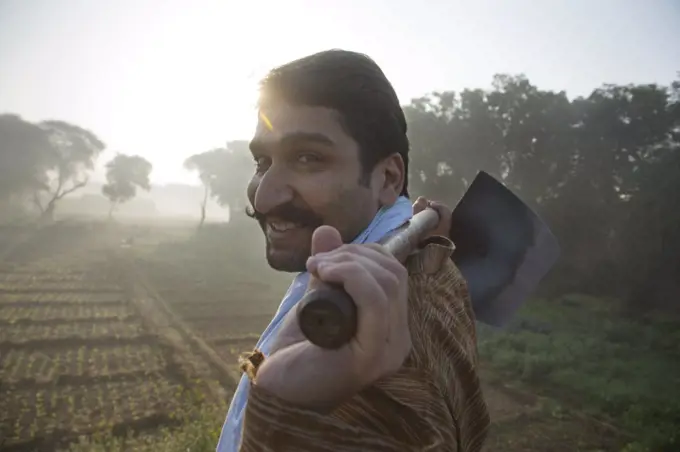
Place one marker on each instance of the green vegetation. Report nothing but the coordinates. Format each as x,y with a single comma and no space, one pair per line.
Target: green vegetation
199,431
592,356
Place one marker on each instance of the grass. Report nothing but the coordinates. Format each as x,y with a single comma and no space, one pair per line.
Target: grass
586,353
198,431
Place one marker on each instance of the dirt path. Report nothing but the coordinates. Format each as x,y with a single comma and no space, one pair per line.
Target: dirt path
522,421
183,335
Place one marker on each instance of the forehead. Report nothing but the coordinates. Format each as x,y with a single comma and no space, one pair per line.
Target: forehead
282,121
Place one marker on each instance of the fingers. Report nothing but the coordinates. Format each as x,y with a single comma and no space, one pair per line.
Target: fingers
442,209
358,277
377,283
372,251
420,205
386,270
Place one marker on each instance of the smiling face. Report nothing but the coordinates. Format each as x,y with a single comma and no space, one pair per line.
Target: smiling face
308,173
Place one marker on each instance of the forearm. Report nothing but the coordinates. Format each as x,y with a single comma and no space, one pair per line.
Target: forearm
271,424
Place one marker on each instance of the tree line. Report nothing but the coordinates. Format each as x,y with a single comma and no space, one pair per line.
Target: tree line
603,170
43,162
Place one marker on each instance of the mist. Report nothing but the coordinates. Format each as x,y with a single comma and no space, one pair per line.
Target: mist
131,279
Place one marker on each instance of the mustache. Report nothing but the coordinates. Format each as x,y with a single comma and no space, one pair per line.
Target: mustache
287,212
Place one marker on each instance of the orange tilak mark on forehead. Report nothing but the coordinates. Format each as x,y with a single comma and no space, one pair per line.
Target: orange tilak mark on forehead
266,121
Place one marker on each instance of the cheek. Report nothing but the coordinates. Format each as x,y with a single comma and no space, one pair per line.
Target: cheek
348,209
318,194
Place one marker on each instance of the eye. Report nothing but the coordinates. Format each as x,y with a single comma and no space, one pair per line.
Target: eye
307,158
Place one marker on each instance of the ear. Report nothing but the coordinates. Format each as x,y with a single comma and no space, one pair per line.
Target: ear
388,179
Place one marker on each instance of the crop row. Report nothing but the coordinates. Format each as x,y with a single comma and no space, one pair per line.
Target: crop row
57,286
60,267
64,297
61,263
114,329
198,308
10,314
47,365
217,325
30,413
56,271
24,276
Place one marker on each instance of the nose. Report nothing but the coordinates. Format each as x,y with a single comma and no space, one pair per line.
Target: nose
272,191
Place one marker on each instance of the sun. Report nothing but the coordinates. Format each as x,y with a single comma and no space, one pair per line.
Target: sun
169,114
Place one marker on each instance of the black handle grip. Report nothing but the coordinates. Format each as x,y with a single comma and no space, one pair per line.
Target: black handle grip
327,315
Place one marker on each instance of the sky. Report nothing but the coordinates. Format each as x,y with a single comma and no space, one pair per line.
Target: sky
169,78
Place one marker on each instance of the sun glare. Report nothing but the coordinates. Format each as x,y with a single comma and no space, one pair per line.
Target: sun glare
171,110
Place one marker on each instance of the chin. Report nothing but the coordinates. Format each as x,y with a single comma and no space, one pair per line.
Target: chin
292,261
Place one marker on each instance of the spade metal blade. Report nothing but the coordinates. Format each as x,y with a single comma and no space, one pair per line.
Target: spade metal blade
503,249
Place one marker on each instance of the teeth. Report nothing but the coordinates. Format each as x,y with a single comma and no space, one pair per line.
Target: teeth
282,227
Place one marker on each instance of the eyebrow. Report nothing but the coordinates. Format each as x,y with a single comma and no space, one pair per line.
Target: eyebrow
258,146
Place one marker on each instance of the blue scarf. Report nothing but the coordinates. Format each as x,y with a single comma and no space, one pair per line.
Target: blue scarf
386,220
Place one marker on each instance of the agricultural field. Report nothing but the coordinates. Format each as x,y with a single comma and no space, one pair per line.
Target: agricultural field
78,356
124,337
220,287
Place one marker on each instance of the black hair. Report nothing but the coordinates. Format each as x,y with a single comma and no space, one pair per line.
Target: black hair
352,84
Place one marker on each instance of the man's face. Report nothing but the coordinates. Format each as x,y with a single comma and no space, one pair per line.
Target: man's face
308,173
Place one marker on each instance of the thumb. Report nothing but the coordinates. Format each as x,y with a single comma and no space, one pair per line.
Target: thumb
325,238
419,205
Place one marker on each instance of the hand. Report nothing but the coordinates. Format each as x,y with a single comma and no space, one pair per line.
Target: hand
304,374
444,226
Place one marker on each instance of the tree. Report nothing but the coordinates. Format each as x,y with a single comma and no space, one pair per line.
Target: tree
73,152
124,174
24,152
48,160
601,169
207,165
224,173
236,168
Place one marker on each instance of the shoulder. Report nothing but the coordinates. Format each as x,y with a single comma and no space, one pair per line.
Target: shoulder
435,279
432,261
440,311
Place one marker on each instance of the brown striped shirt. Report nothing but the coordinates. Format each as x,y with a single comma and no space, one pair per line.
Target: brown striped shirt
434,403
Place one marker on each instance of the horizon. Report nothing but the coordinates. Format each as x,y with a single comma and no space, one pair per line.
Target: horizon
165,81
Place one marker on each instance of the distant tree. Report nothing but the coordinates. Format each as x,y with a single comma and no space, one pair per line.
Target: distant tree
124,174
73,152
207,164
24,154
224,173
229,187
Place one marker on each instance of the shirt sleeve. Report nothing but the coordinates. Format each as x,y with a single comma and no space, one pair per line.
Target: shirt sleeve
433,403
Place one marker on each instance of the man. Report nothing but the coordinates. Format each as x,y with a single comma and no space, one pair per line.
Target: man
331,158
